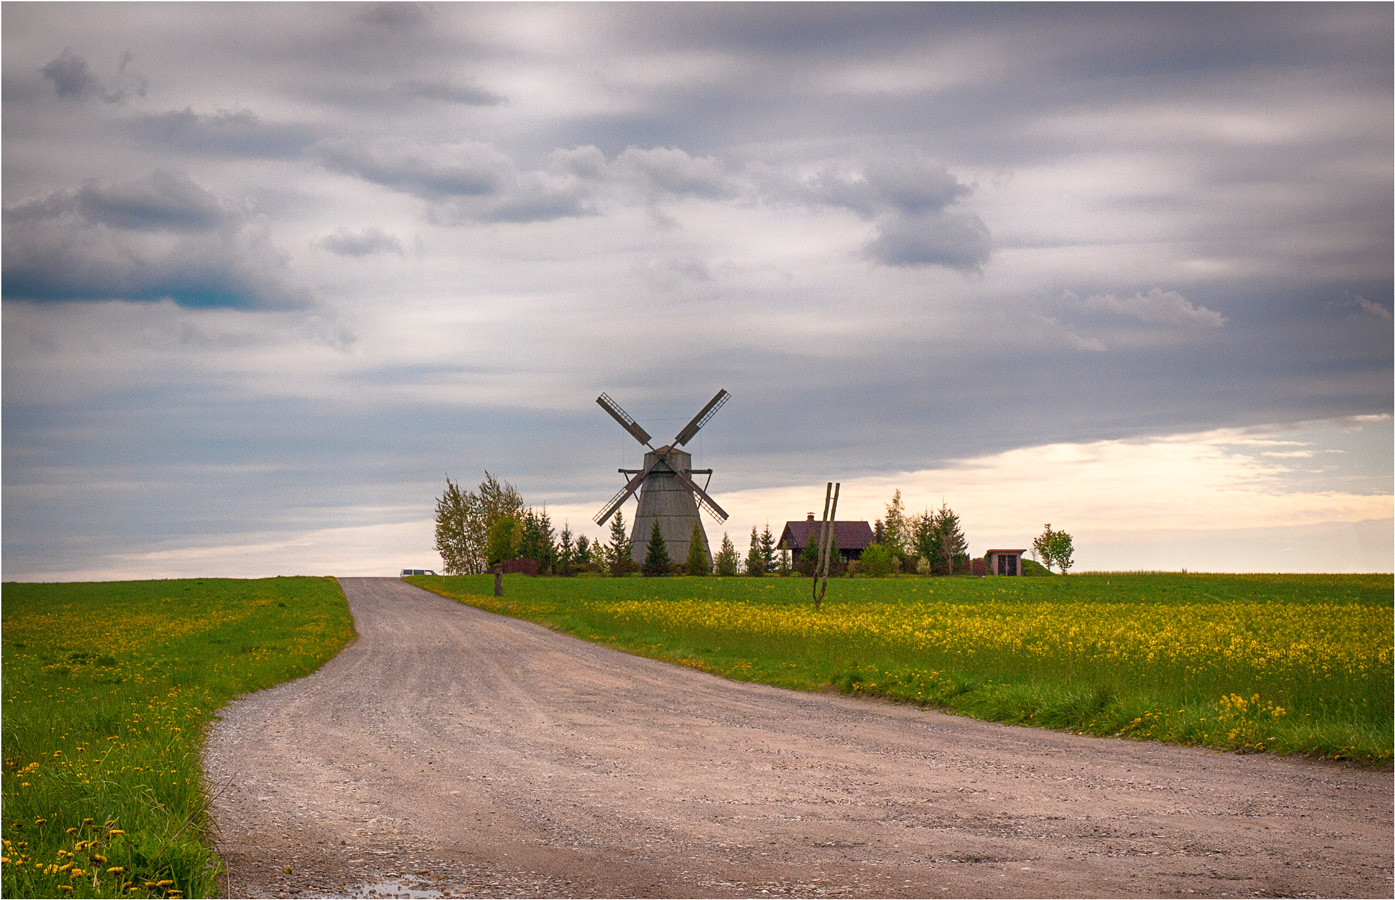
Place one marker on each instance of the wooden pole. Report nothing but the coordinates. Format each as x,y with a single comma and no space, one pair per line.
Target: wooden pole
830,516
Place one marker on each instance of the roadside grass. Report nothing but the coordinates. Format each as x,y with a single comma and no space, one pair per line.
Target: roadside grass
1288,664
107,690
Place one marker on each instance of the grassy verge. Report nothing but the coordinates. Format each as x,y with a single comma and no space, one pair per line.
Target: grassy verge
108,688
1291,664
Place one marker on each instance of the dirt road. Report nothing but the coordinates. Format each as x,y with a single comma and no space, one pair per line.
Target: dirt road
451,752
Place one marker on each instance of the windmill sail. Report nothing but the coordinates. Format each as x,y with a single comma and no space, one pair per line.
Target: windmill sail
701,418
668,497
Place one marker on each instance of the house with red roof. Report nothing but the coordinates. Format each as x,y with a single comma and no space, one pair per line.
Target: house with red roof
851,537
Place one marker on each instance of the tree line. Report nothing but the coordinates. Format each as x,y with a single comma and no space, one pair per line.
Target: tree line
476,530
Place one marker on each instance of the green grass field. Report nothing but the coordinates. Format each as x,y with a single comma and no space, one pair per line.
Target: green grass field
108,688
1292,664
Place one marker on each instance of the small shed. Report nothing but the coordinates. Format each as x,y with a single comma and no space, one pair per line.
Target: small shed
1004,562
852,537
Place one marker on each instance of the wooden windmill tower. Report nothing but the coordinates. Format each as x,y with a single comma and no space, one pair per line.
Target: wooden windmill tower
667,493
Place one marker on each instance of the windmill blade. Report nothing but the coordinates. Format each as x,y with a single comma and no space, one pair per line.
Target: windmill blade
619,499
623,418
701,419
701,497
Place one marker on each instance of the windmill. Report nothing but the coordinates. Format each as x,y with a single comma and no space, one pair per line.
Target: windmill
667,493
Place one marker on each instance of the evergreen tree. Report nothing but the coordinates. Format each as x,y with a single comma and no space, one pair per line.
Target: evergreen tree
697,562
728,560
808,560
547,544
583,553
566,552
755,559
530,545
783,563
767,549
618,552
879,533
925,541
656,561
953,547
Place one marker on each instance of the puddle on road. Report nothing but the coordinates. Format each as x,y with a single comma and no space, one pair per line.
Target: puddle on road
384,889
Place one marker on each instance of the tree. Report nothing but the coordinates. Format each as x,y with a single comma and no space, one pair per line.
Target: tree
1055,548
536,541
896,527
547,543
618,551
1043,547
656,561
728,561
953,546
1062,549
767,549
464,520
925,541
494,501
755,559
566,551
452,538
697,562
877,561
582,557
504,538
808,557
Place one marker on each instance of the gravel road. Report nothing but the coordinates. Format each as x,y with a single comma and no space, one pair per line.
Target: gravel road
451,752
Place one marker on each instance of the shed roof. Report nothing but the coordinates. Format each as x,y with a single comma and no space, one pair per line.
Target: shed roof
848,535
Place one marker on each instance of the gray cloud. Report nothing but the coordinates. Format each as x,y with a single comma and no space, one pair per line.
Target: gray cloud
956,239
669,171
161,237
428,171
778,199
904,183
73,79
360,243
1156,307
164,201
467,181
447,91
224,133
916,203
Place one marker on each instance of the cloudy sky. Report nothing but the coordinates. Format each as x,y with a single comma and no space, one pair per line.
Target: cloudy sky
272,272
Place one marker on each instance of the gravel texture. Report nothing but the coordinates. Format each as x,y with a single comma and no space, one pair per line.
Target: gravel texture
451,752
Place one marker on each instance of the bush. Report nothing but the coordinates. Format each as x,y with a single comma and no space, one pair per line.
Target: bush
877,561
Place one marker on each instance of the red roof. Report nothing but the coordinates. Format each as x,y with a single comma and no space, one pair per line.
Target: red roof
849,535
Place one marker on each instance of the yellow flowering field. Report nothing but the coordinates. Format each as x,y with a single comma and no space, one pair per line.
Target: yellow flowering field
1293,664
107,688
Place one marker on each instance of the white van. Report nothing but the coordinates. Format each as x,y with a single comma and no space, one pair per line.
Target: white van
406,572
